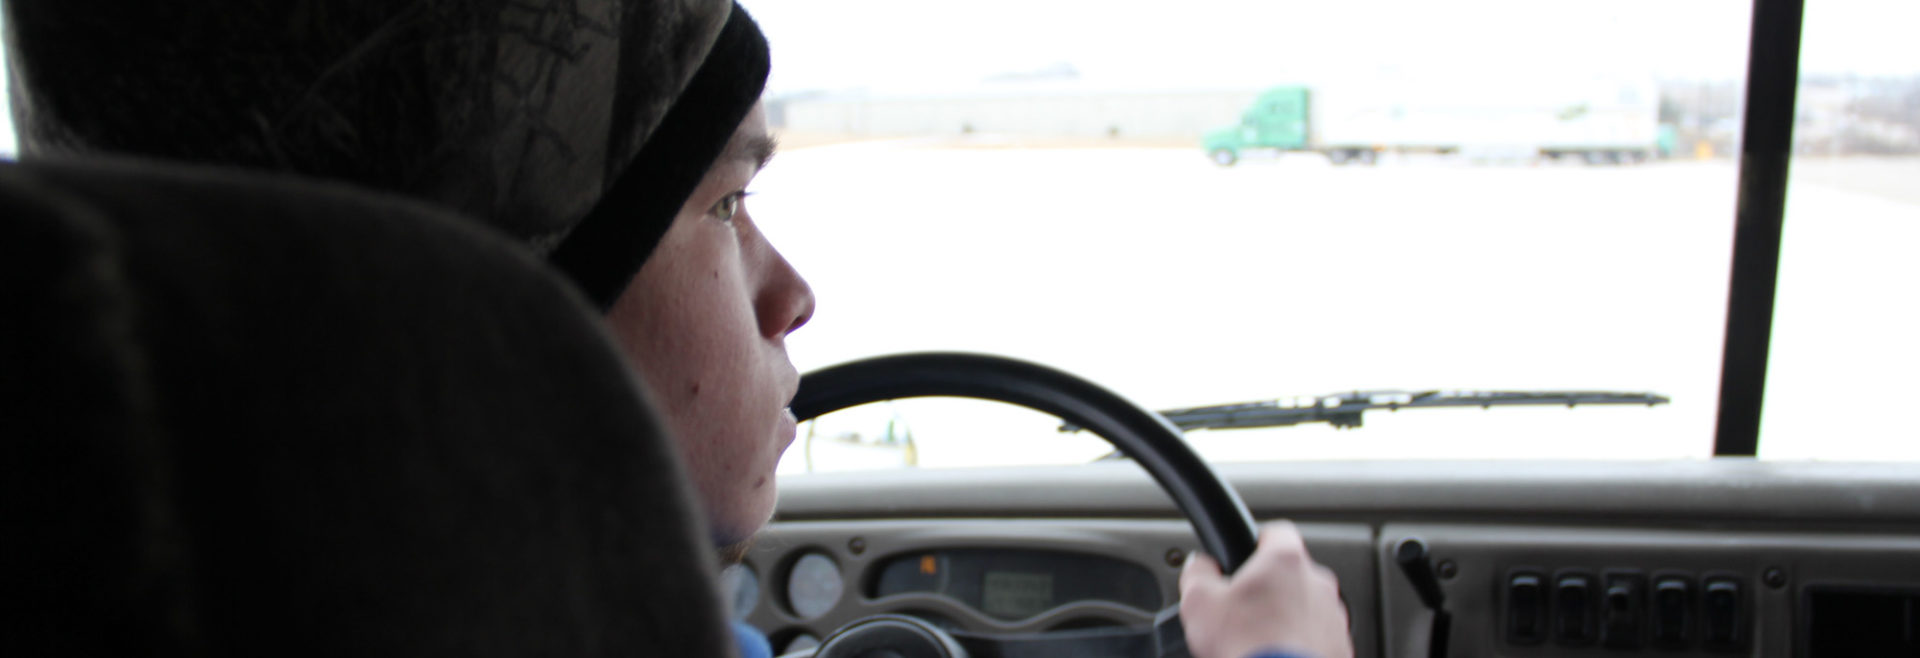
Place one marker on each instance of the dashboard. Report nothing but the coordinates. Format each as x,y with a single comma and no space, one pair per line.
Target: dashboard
994,575
1014,584
1533,559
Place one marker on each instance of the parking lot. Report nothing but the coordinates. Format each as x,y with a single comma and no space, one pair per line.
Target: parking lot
1180,283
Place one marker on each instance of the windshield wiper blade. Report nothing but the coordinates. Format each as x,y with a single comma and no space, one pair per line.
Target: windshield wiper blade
1343,410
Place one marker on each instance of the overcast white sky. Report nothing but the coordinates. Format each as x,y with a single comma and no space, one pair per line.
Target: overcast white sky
833,44
906,44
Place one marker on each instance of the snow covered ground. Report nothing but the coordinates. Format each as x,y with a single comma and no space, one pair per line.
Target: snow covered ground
1179,283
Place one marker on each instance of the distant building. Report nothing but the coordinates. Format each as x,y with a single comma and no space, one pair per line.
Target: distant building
1841,116
1016,108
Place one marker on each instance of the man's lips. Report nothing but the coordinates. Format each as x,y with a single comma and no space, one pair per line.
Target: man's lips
789,426
788,429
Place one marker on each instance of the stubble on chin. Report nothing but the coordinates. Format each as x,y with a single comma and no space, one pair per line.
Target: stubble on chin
735,553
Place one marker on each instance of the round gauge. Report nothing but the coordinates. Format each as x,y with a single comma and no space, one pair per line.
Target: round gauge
743,586
813,586
801,642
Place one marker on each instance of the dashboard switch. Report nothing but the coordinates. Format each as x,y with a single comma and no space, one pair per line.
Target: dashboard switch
1672,618
1526,609
1573,613
1724,611
1622,606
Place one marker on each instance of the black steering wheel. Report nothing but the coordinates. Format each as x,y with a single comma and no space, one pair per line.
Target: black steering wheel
1225,528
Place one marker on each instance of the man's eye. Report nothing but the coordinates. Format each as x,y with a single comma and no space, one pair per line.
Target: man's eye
728,205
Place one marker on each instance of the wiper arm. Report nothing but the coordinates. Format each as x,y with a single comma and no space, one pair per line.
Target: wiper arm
1343,410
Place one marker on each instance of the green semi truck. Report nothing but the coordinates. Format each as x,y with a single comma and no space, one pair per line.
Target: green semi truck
1596,122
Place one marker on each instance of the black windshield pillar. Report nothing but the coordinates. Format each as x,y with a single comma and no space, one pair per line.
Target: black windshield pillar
1766,144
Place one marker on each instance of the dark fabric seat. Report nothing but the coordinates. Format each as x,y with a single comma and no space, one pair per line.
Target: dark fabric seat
249,416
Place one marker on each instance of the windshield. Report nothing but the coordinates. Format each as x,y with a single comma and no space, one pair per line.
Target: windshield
1260,201
1285,203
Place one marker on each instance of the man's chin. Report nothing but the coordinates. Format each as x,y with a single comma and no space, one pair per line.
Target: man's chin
735,553
733,544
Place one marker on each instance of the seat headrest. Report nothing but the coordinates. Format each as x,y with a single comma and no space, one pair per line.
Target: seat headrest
251,416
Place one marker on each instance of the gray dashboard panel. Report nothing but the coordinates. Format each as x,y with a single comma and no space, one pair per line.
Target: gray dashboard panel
1686,493
1486,555
1156,544
1816,522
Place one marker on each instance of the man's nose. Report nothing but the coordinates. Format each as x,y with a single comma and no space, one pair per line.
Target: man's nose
786,301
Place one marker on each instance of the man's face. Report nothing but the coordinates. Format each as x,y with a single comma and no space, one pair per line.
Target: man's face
705,323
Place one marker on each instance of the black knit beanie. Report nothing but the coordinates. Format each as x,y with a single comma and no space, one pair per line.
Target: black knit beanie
608,246
578,127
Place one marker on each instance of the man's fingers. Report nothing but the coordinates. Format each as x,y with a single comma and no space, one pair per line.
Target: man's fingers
1200,565
1280,597
1326,574
1200,572
1281,538
1277,529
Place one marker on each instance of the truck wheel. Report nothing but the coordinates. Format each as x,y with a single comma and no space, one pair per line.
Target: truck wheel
1224,157
1339,157
1366,157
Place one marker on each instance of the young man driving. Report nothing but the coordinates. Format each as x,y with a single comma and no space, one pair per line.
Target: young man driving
718,366
605,137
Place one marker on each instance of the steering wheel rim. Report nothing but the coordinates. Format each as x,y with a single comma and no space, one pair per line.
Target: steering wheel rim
1220,519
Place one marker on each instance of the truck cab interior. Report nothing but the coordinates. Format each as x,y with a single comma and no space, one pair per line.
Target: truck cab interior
172,490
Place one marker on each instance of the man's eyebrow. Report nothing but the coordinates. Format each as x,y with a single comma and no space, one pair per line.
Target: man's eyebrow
758,149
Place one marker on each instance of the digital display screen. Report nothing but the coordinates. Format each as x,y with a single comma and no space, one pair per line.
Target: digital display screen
1016,595
1013,584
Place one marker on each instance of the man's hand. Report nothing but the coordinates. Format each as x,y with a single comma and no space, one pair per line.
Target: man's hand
1279,600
